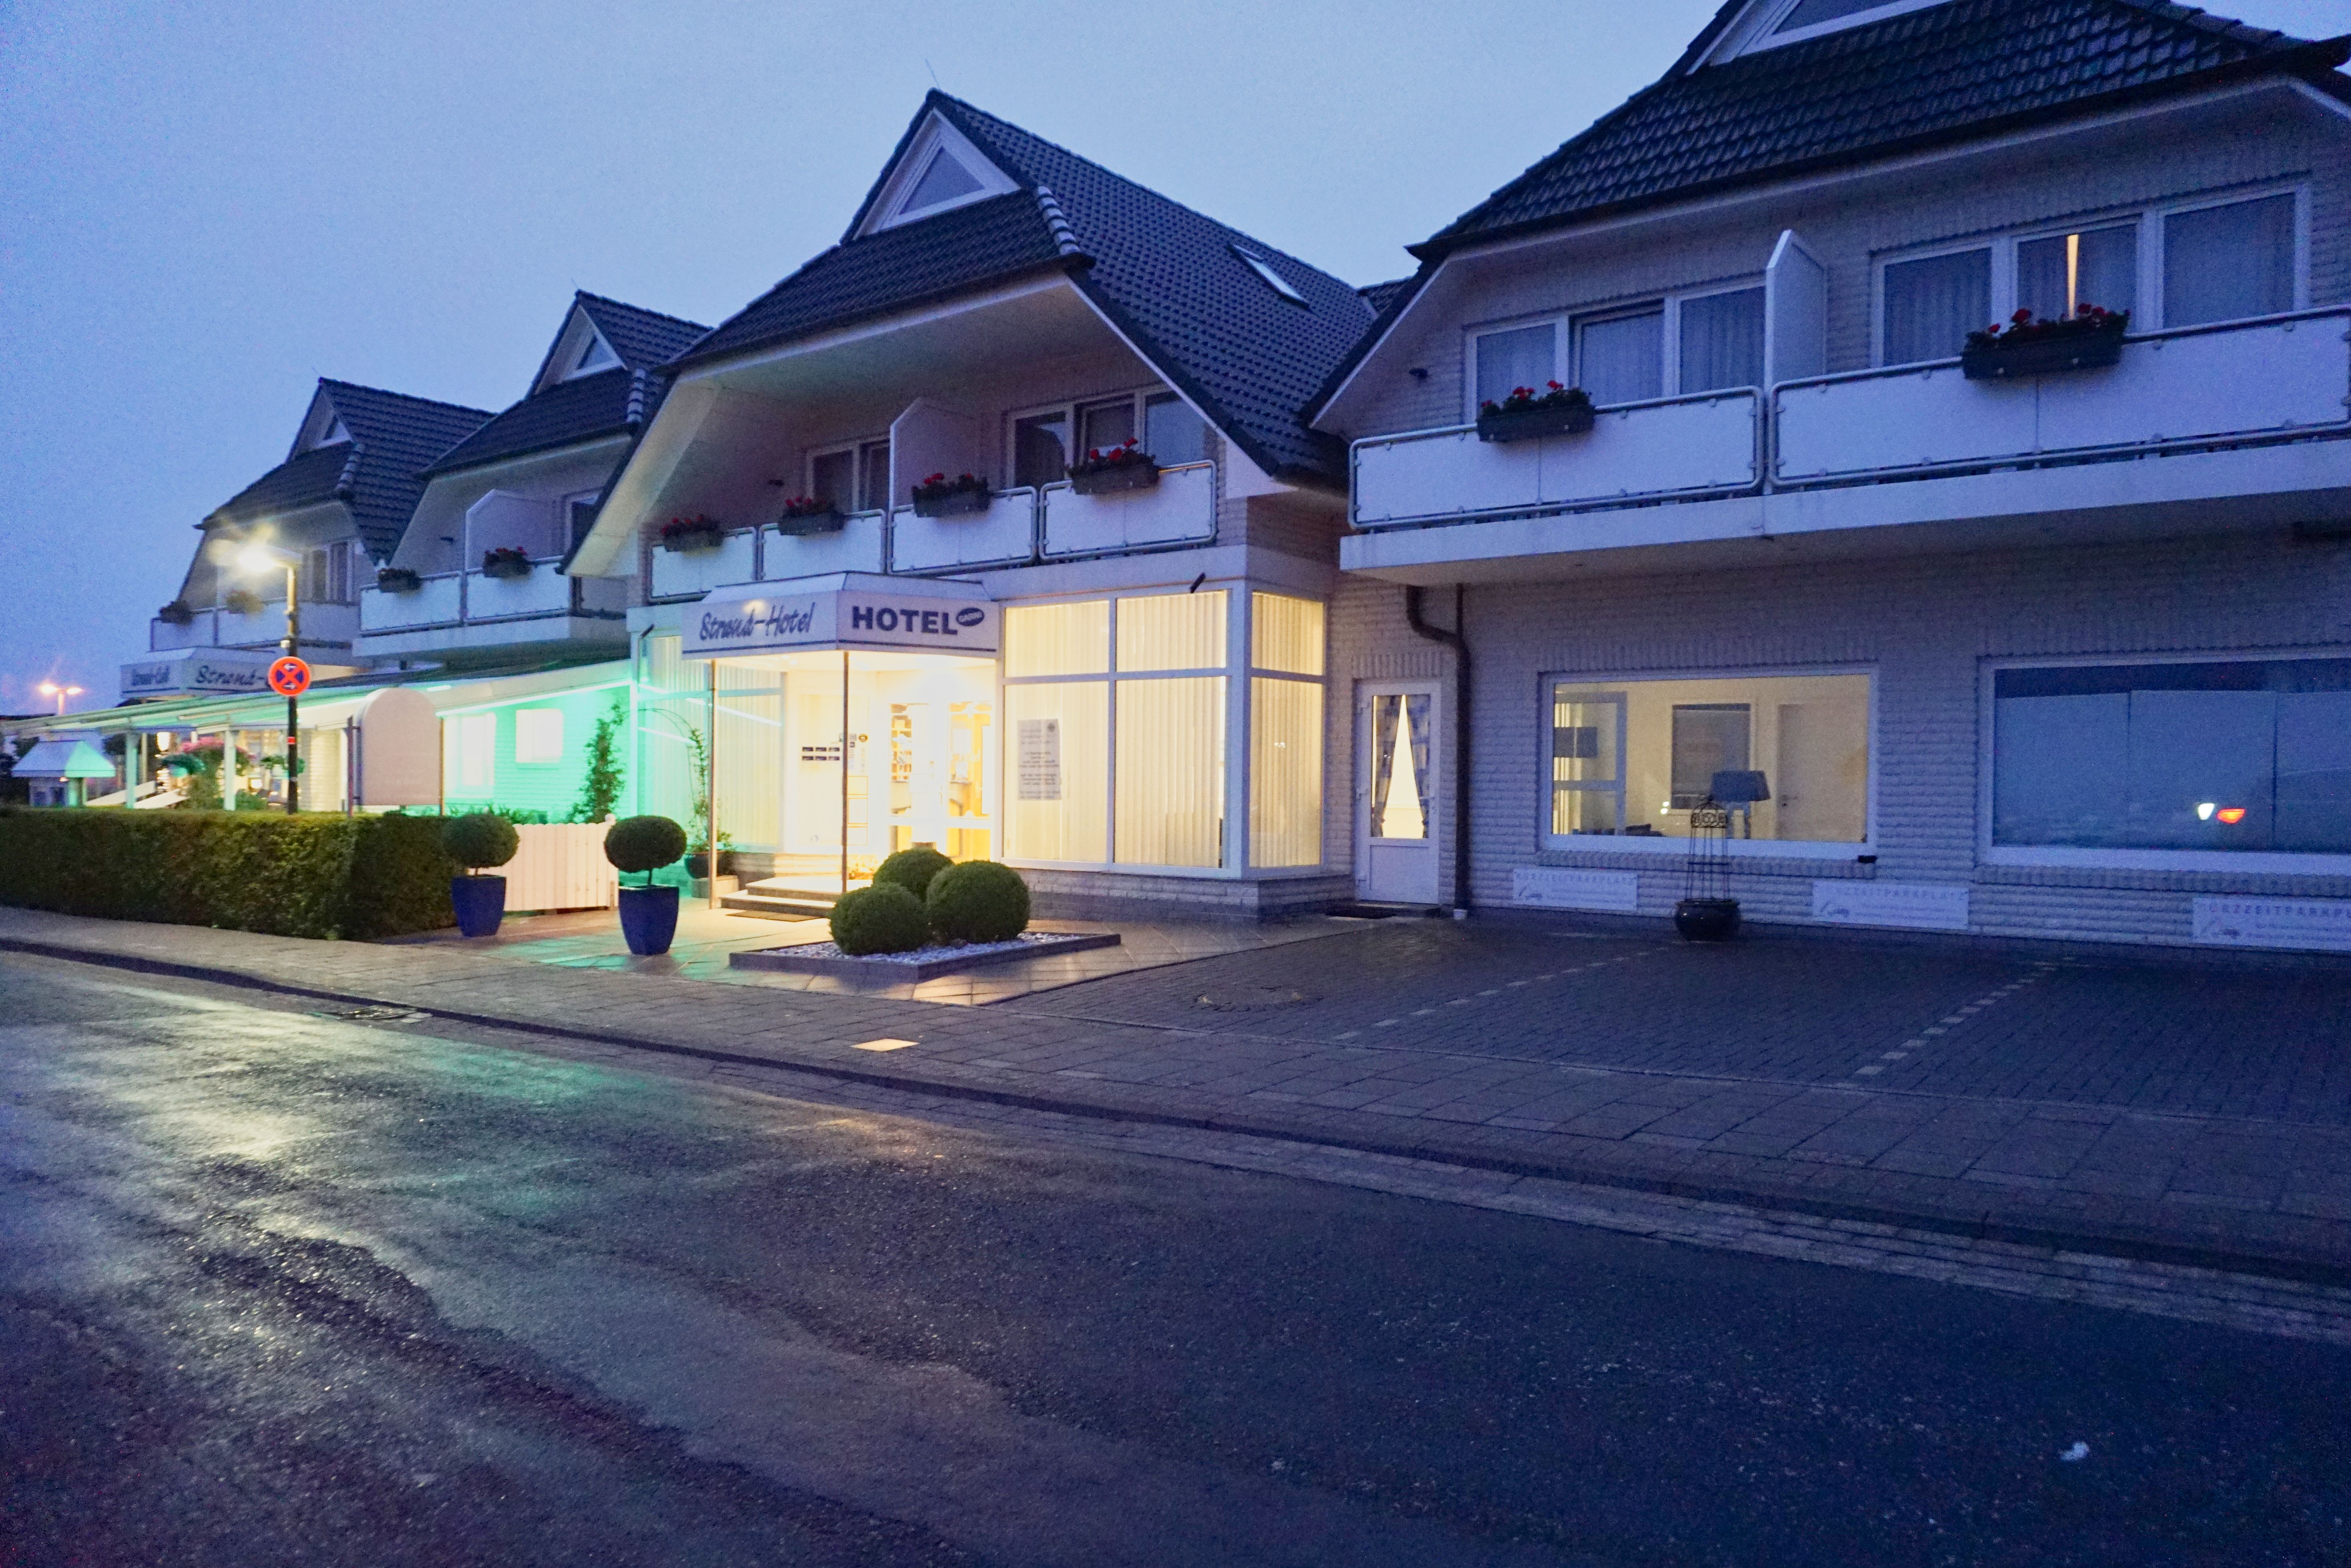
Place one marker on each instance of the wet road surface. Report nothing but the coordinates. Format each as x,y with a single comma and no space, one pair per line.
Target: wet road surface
280,1288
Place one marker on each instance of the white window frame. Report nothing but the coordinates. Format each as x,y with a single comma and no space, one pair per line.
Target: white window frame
937,136
2147,310
1764,33
1564,323
856,468
1614,682
1068,408
2270,863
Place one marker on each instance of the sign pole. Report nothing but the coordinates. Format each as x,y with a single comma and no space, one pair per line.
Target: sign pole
844,772
293,699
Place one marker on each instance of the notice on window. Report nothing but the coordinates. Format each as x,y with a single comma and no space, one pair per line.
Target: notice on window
1040,758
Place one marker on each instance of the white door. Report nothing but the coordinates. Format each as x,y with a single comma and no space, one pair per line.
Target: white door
1395,793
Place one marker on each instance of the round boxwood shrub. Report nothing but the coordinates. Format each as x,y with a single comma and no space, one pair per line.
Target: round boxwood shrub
480,840
978,900
644,843
912,869
883,918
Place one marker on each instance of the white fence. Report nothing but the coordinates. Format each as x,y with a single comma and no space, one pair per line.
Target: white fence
560,865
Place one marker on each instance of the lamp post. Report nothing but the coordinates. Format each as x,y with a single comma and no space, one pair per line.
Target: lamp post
51,689
257,558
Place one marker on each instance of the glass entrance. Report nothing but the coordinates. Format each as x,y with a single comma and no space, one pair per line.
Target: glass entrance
1395,843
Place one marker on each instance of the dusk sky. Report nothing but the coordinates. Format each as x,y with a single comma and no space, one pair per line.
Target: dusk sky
209,206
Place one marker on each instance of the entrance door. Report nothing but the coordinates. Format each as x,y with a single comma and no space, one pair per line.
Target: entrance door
1395,795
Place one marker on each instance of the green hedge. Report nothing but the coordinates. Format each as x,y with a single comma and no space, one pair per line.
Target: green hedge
319,875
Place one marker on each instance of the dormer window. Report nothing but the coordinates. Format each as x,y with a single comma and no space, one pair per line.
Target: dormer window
594,355
1775,22
941,171
333,433
944,182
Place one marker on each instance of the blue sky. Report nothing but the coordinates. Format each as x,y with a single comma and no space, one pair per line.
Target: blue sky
210,205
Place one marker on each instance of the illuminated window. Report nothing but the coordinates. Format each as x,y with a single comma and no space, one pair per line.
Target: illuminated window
539,735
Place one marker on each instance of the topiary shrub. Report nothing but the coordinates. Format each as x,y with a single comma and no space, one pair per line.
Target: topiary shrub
978,900
644,843
480,840
912,869
883,918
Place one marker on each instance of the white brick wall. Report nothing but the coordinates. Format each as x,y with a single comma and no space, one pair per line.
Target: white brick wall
1924,625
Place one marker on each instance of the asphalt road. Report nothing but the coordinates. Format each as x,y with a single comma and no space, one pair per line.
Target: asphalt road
280,1288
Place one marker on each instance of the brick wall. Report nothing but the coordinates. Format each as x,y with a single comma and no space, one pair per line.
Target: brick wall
1924,626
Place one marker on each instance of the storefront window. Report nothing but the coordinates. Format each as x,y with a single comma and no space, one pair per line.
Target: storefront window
1171,771
2249,756
1789,752
1285,731
1057,740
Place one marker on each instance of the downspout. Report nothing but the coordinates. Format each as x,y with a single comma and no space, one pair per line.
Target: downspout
1460,647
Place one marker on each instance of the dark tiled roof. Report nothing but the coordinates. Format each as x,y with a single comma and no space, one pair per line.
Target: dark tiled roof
893,269
1166,275
1378,296
1947,70
375,473
568,413
644,339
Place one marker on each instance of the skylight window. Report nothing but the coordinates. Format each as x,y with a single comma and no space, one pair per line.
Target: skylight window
1273,279
944,181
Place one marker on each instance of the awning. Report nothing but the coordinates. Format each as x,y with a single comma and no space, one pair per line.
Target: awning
842,610
64,758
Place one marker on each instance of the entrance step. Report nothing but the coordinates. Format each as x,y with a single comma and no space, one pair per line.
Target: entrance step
780,906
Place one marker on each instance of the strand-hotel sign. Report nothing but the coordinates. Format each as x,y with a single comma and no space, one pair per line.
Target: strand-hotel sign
850,610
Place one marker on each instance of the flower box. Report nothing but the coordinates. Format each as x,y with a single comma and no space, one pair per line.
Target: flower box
398,580
507,563
176,614
1524,416
686,535
962,495
2089,340
808,515
241,602
1102,473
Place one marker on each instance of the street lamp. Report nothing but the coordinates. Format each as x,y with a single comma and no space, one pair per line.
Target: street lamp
256,559
51,689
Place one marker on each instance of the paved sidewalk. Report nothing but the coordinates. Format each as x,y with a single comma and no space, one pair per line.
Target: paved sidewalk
2014,1100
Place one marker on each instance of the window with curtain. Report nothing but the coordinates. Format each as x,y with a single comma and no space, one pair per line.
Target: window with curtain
1056,735
1933,303
1171,771
2223,264
1521,357
2250,756
1621,358
2058,275
1722,341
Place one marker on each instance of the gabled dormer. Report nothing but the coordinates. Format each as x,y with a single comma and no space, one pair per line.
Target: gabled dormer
1761,25
935,170
323,425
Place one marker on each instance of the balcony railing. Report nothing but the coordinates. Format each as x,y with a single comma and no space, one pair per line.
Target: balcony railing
2237,384
449,600
859,545
1180,509
1668,449
1004,534
689,574
324,624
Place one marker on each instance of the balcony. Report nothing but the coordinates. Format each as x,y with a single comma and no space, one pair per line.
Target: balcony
1180,509
1004,534
324,626
453,611
690,574
2242,416
859,546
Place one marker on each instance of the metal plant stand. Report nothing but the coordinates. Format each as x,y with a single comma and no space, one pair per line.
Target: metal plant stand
1706,912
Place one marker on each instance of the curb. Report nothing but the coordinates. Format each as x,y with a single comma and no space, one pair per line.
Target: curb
2112,1244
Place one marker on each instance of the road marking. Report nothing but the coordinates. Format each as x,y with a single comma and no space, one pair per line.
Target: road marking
1934,1031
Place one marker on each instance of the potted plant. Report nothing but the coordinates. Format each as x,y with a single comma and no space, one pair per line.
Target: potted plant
940,496
697,858
648,914
241,602
2027,345
1527,414
1707,919
687,534
175,613
397,580
506,560
1123,467
477,840
808,515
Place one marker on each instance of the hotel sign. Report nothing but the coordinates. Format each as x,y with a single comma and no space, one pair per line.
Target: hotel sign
767,618
207,673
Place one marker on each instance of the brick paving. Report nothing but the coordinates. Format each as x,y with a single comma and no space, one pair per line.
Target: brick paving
2163,1109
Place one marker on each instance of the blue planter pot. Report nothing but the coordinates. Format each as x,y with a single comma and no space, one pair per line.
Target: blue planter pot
480,902
648,919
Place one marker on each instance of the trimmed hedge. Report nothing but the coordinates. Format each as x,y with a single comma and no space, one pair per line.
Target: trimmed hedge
978,900
883,918
912,869
310,875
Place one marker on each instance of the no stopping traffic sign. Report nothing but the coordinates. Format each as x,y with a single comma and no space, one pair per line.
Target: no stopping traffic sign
289,677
